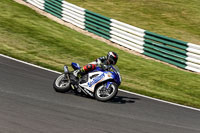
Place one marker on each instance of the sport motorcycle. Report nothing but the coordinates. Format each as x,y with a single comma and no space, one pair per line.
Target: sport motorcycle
102,83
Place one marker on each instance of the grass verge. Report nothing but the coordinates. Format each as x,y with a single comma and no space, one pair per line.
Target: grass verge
26,35
178,19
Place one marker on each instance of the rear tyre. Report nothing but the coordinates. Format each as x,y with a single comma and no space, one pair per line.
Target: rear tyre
103,94
61,84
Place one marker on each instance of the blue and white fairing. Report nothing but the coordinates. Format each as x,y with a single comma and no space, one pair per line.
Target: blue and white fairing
116,75
99,75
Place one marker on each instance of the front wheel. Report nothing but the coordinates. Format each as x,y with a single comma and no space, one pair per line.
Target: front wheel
61,84
105,94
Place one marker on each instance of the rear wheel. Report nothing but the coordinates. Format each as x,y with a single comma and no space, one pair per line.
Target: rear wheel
105,94
61,84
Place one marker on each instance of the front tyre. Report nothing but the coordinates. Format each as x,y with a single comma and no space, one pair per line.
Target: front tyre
103,94
61,84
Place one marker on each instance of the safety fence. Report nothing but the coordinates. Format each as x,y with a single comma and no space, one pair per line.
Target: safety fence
179,53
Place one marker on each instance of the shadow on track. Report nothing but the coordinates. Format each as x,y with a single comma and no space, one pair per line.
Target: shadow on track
123,100
115,100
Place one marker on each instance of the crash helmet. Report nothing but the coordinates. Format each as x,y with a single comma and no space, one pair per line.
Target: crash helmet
112,58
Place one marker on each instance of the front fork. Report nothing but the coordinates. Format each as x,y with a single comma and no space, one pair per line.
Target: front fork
107,85
105,90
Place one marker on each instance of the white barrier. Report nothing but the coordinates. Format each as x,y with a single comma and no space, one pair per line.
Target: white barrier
127,30
66,7
36,3
65,3
127,42
192,69
193,55
127,38
193,65
193,60
125,45
133,36
74,22
75,16
39,2
121,33
127,26
191,45
127,34
192,50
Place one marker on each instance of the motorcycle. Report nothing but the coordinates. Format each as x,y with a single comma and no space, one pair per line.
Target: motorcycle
101,83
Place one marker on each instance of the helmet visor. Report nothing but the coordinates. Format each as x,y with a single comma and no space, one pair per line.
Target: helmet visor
112,61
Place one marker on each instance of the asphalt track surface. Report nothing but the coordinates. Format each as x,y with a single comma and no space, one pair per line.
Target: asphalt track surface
28,104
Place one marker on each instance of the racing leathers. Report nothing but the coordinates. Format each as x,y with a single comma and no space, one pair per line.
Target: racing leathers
101,61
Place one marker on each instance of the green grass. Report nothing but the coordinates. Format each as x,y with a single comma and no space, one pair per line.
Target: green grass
26,35
178,19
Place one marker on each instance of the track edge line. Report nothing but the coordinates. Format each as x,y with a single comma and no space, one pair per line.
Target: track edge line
46,69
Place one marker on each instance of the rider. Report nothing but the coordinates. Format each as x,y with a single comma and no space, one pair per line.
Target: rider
105,61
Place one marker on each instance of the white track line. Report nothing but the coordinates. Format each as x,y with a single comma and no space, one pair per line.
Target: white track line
160,100
30,64
119,89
